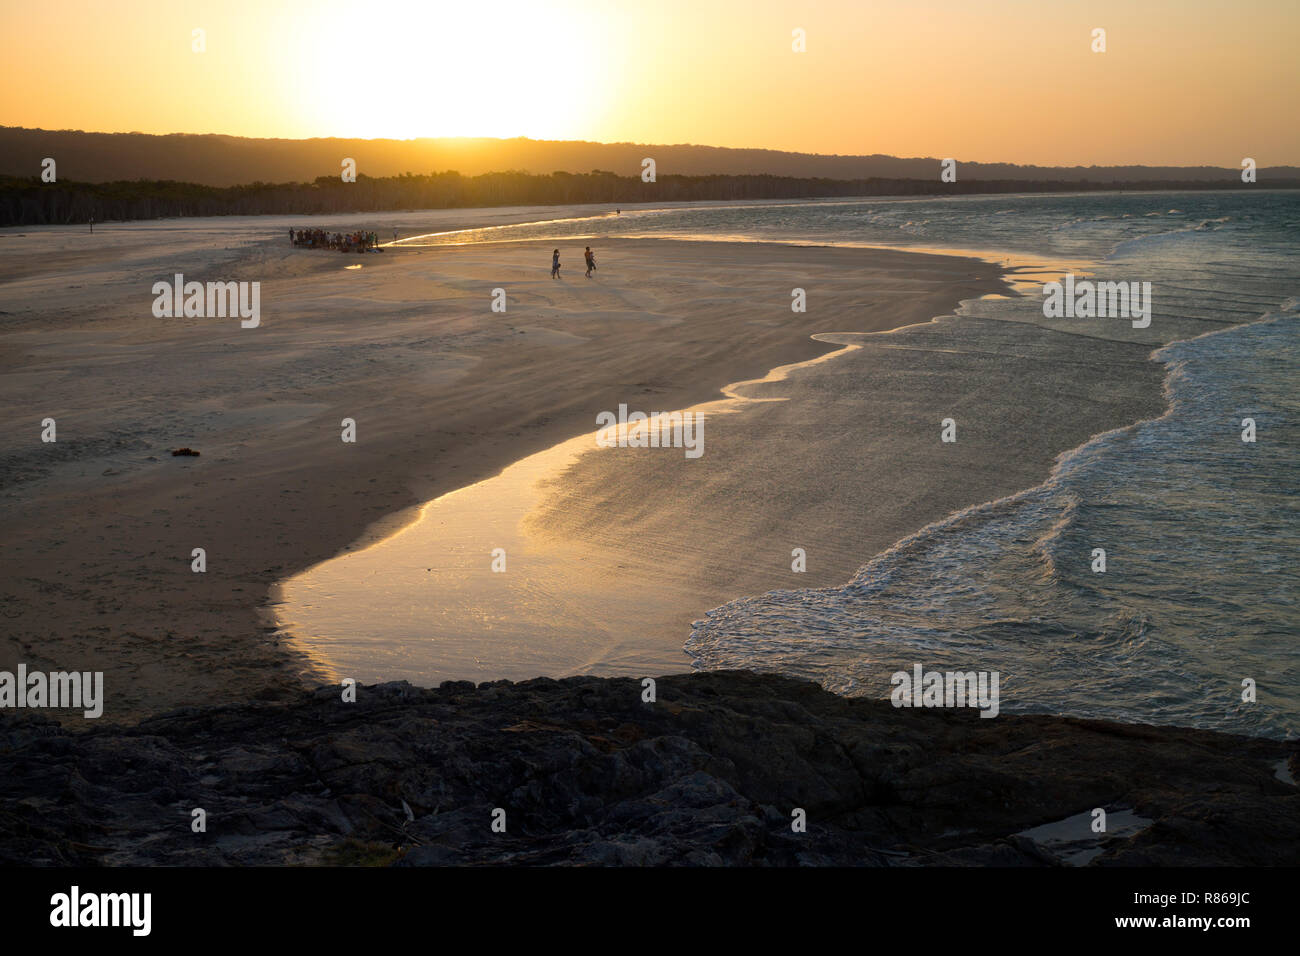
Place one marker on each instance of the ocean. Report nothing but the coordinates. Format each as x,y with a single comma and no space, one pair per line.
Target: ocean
1197,600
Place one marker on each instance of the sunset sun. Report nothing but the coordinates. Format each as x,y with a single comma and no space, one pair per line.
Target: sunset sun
413,69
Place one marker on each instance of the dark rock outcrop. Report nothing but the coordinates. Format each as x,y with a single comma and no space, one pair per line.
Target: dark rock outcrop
586,773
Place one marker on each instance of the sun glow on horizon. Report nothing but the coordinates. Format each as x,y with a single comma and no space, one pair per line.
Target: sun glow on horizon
504,68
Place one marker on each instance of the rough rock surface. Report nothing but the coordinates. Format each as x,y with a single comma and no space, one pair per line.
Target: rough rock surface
589,774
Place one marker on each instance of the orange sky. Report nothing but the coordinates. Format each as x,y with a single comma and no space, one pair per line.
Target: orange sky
1181,83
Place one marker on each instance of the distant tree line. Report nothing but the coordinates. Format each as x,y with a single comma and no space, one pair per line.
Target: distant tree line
28,201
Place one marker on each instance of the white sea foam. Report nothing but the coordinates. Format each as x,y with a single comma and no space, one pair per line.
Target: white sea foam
1199,593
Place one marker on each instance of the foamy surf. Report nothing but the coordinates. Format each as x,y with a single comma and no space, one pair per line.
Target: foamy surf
1198,594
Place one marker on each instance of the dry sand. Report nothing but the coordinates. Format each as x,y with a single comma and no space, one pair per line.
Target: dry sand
99,527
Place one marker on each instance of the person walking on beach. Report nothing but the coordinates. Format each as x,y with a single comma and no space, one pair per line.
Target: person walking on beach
591,261
555,264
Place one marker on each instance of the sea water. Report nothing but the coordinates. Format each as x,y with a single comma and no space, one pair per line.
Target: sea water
1193,620
1197,603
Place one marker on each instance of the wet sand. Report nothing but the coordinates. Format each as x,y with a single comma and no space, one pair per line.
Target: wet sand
612,552
100,525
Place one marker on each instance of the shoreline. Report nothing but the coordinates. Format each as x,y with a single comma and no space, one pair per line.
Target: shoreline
200,639
563,537
276,670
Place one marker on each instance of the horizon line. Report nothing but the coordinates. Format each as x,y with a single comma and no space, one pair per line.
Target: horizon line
592,142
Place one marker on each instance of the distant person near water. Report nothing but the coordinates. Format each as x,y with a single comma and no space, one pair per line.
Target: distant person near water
291,239
591,261
555,264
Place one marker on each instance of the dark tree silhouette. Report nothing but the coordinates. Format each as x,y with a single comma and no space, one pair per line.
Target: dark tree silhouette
28,201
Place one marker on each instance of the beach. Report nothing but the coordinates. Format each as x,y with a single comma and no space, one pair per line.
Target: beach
826,533
101,524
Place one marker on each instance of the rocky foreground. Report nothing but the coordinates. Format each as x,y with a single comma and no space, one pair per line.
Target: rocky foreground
587,773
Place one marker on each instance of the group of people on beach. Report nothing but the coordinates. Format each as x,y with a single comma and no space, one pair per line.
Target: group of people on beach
359,241
588,255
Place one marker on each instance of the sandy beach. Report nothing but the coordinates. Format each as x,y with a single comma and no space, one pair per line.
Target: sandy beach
100,526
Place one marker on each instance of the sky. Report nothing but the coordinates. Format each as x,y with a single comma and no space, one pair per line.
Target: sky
1180,83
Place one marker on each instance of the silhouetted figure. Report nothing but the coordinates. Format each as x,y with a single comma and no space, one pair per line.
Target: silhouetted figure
591,261
555,264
